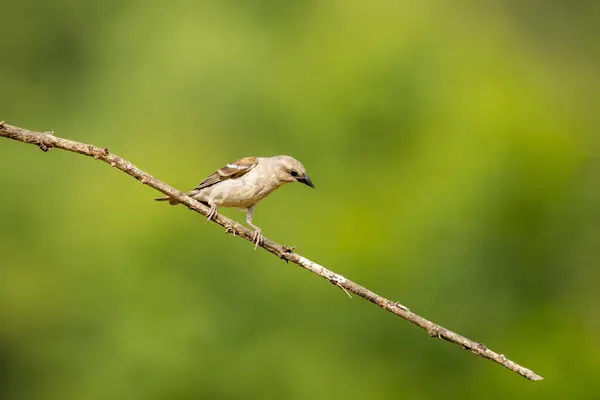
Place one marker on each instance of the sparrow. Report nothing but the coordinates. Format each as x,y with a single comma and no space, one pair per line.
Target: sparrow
244,183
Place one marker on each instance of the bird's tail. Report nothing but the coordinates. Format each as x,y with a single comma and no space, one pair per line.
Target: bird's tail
171,201
174,202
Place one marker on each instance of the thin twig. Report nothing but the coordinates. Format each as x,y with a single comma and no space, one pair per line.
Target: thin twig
46,141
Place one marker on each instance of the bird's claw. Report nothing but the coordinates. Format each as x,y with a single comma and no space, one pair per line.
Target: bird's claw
257,238
230,229
211,214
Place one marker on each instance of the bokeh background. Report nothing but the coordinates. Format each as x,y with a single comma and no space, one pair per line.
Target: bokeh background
455,150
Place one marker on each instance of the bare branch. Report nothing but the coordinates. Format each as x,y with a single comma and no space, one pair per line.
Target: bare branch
47,141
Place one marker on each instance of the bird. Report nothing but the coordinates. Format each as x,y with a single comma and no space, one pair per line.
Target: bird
244,183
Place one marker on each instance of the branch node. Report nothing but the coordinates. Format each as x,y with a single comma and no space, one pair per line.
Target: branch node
1,124
105,151
434,332
289,249
401,306
336,283
43,147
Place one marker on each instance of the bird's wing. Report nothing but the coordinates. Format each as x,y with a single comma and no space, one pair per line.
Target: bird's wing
230,171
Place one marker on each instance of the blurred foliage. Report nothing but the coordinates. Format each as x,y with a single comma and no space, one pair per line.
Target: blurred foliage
454,146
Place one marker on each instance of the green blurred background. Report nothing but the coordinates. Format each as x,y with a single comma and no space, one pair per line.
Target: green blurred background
454,146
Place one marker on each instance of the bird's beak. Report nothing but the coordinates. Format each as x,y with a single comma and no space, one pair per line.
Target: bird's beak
306,180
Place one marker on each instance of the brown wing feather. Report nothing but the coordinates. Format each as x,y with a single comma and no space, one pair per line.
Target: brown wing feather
230,171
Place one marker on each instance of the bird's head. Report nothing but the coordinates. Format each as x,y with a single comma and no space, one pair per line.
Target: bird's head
288,169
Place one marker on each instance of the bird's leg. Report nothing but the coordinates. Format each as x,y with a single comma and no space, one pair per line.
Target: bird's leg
257,238
212,213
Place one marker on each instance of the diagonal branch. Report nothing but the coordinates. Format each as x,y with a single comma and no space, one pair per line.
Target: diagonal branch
47,140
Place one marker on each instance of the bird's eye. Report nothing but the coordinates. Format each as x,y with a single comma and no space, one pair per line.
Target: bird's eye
293,173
